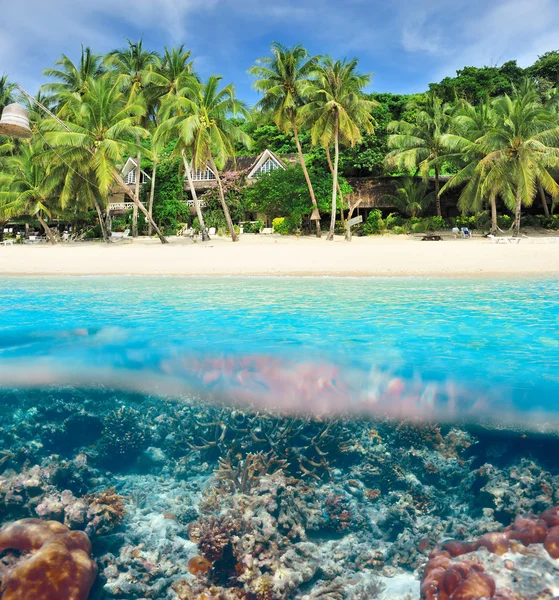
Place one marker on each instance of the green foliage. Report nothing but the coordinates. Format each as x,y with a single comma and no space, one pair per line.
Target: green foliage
374,224
169,208
253,227
551,222
285,192
281,226
234,189
477,84
547,67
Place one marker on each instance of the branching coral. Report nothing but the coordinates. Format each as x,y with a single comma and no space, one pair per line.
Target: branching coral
58,566
243,475
212,535
310,447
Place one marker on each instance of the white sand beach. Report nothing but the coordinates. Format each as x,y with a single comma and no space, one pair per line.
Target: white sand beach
279,255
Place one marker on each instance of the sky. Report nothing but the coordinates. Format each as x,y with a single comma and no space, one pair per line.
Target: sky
406,43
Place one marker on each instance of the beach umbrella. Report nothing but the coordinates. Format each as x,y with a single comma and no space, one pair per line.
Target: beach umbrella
15,122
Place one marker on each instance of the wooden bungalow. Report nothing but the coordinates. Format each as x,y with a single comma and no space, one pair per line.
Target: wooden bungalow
118,201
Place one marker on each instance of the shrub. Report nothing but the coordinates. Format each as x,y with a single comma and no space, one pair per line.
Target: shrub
93,233
418,227
400,230
393,220
287,225
504,221
435,224
465,221
551,222
280,226
374,224
254,227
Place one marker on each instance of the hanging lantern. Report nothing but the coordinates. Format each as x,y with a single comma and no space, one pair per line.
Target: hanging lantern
15,122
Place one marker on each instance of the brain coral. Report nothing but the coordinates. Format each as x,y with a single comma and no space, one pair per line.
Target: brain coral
58,566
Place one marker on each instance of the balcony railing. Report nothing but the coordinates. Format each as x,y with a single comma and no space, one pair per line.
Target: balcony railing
130,205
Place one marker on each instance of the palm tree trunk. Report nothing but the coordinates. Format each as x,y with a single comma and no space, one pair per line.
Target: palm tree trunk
544,201
306,173
335,179
152,193
138,175
338,185
122,185
517,214
49,233
437,190
197,207
223,203
494,225
106,237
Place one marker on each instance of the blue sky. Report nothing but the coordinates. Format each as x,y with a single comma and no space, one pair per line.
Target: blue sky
405,43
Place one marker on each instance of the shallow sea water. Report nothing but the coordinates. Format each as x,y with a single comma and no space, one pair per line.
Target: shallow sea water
476,356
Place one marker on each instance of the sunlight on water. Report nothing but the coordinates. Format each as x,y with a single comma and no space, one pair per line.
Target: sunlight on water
443,349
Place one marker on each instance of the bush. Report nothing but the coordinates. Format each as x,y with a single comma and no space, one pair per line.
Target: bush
280,226
393,220
418,227
465,221
551,222
287,225
504,221
93,233
400,230
435,224
374,223
253,227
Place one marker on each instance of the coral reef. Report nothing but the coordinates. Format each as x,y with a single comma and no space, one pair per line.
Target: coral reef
193,502
56,566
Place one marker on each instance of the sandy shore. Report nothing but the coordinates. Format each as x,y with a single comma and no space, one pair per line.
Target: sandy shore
277,255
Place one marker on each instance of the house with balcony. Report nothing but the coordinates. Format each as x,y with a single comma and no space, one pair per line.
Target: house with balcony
119,202
203,179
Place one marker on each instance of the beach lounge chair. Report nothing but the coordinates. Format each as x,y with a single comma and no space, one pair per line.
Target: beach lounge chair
267,231
504,240
120,235
211,231
7,243
540,240
465,233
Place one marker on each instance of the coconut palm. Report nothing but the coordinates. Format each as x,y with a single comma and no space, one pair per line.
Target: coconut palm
420,145
132,65
201,122
6,92
164,79
469,125
102,133
338,112
28,188
412,197
521,150
283,79
72,78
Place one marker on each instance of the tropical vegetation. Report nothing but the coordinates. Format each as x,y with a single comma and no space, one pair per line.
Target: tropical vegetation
480,149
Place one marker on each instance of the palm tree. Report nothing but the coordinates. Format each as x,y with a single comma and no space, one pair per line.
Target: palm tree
469,125
97,138
27,188
520,150
338,112
132,65
203,126
72,79
420,145
283,79
6,89
164,79
412,197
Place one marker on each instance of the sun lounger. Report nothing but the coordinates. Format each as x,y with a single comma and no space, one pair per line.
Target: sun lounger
211,231
120,235
267,230
540,240
7,243
504,240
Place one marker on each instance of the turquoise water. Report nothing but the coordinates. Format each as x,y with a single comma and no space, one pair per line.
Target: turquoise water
446,349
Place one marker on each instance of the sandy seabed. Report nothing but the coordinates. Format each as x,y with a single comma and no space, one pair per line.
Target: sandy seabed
282,255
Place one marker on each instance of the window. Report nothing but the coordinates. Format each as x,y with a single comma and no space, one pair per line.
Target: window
131,177
199,175
269,165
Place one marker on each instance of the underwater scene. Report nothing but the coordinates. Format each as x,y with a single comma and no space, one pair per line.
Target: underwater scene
279,438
